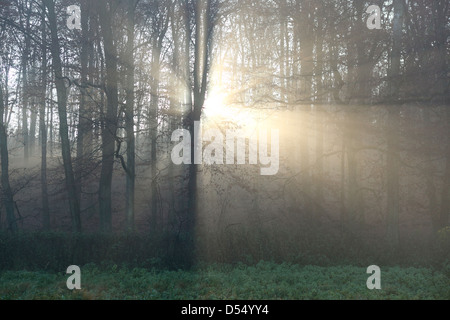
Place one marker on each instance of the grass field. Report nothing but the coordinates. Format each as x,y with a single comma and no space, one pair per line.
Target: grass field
263,281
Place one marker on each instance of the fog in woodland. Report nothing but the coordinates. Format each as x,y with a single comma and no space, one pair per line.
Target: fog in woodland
356,117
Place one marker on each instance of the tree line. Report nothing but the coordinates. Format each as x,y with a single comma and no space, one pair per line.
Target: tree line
109,95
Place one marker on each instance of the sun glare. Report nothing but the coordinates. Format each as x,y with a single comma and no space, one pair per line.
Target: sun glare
219,112
215,106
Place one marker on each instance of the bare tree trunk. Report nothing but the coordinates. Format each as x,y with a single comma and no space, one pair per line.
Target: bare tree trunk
284,39
306,94
25,89
320,113
7,195
83,120
160,26
110,126
32,133
62,111
129,120
392,177
392,133
175,106
352,169
153,122
33,110
186,61
43,132
202,34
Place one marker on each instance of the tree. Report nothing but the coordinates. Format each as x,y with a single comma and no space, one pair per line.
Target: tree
62,111
43,129
392,134
304,30
160,23
7,194
204,23
84,123
106,12
25,87
129,117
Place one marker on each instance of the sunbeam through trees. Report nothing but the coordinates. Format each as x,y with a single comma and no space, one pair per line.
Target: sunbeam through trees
174,134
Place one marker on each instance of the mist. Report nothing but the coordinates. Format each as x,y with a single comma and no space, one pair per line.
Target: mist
181,134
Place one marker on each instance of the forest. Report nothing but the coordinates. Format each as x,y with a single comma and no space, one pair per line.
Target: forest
193,143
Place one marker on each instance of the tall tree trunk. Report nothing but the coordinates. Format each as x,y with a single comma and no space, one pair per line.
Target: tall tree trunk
153,124
62,111
186,60
160,26
392,127
50,125
32,133
175,105
392,174
83,120
43,131
7,195
202,28
284,41
129,119
352,169
305,35
320,112
110,121
25,92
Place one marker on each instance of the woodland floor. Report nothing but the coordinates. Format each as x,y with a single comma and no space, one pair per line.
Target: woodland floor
264,281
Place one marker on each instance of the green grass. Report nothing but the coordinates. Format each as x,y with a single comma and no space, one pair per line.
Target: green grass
263,281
